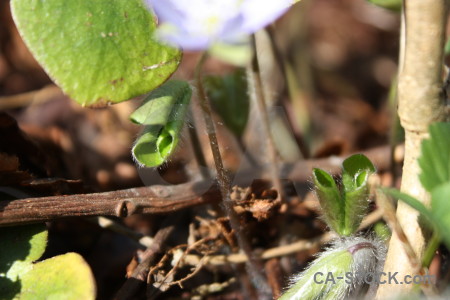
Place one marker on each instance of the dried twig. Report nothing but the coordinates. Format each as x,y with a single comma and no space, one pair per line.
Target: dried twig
157,199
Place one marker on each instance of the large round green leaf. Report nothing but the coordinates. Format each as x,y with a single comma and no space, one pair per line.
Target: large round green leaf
98,52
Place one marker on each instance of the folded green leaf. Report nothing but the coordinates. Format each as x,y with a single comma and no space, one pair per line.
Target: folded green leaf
356,171
163,114
344,210
330,200
98,52
229,97
435,159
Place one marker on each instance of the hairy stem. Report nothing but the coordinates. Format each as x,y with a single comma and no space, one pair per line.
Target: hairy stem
420,104
253,267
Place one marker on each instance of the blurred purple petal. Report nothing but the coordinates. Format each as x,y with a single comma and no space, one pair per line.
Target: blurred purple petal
196,24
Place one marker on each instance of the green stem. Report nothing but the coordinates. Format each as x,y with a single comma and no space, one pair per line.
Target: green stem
253,266
430,251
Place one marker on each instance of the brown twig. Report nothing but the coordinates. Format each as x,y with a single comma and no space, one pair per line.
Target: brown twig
143,200
157,199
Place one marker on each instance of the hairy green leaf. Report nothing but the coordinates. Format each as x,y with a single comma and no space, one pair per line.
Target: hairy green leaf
356,171
435,159
163,114
330,200
229,97
98,52
65,276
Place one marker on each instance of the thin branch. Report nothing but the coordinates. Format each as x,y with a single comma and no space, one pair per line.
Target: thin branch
157,199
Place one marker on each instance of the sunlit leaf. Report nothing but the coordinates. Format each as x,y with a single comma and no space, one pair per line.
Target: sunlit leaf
21,245
65,276
21,277
99,51
163,114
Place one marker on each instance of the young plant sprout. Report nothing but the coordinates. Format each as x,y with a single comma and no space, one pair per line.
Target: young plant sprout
348,268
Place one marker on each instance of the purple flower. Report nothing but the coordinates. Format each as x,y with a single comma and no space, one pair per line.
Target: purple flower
197,24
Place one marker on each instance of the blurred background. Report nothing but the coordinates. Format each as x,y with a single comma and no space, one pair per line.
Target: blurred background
327,79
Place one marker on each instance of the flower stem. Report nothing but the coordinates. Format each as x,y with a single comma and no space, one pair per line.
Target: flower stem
253,266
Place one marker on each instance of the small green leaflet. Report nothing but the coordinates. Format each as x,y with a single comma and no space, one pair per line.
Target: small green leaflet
98,52
163,114
345,208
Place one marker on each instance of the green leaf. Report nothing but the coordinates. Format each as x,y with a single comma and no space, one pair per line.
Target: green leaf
98,52
440,207
65,276
61,277
163,112
229,98
394,5
330,199
21,245
435,159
